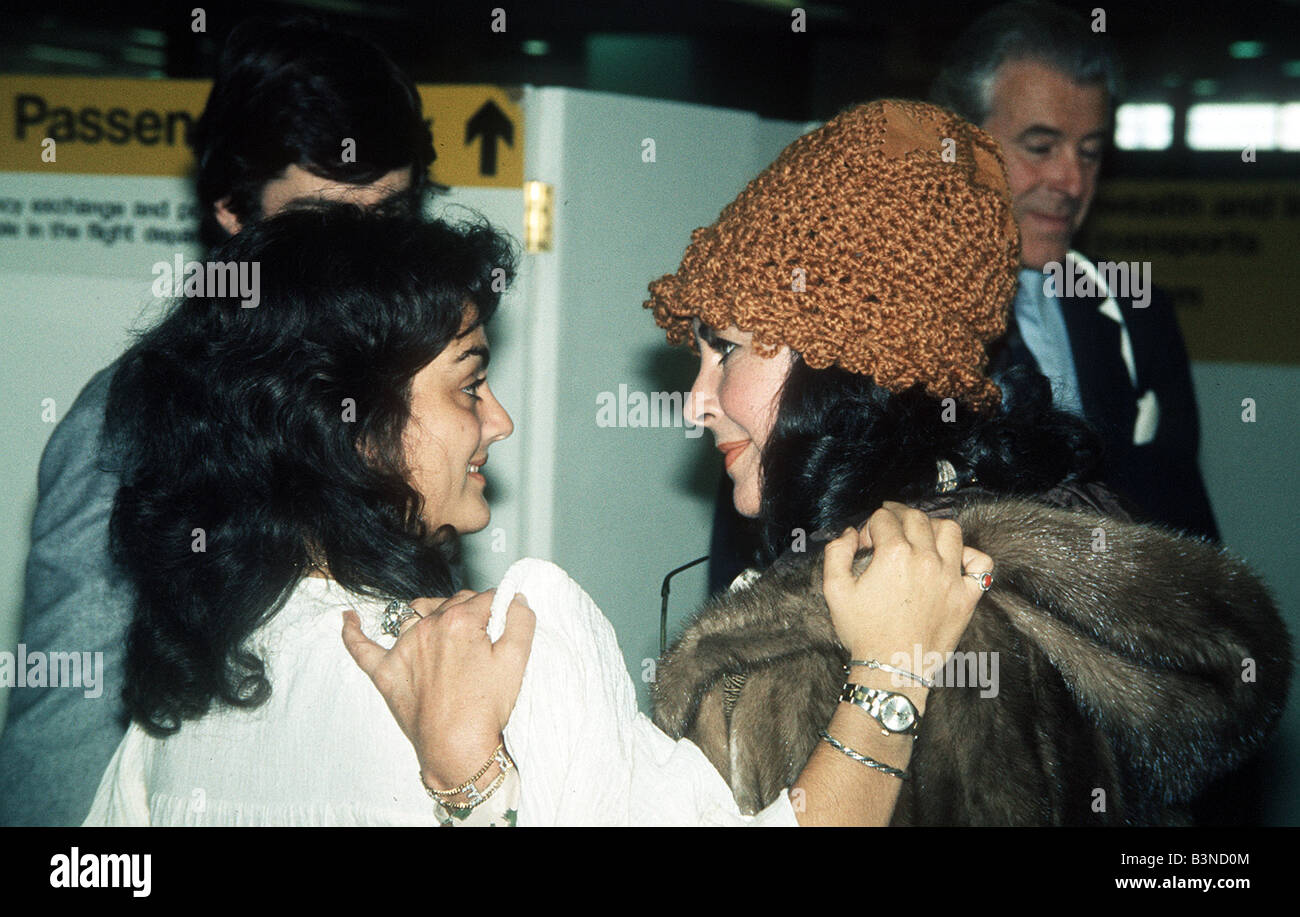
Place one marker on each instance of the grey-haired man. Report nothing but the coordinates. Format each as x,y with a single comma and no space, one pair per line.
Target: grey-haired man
1043,83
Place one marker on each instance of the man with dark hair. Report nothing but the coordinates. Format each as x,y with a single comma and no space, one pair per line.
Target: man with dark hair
299,112
1043,83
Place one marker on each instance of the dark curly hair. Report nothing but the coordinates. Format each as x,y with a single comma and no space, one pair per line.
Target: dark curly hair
842,445
239,422
288,91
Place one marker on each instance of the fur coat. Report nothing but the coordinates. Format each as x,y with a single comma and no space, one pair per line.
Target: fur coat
1133,667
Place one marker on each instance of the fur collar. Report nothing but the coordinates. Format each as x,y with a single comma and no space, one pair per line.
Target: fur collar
1134,666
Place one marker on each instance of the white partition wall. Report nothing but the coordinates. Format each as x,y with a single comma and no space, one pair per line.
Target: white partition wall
619,506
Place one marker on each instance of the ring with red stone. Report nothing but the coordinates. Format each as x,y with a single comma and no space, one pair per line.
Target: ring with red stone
985,579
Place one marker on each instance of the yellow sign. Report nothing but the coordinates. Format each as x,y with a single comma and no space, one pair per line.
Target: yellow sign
99,127
1225,252
142,127
478,134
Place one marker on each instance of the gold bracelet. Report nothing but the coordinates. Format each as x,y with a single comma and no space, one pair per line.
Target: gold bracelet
465,787
478,799
474,796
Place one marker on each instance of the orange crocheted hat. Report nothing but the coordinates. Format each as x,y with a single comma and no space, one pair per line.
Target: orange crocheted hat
883,242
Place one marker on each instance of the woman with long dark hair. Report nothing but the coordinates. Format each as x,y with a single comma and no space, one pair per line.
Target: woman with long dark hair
316,450
843,306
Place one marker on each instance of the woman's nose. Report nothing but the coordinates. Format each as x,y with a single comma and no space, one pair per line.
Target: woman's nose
702,402
497,425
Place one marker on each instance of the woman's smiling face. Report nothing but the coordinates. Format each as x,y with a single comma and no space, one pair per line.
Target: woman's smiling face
454,419
735,395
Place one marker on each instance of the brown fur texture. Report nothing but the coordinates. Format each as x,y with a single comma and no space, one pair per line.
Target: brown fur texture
1126,670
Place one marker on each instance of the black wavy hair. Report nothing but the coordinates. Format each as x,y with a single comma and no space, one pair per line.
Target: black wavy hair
289,91
277,431
842,445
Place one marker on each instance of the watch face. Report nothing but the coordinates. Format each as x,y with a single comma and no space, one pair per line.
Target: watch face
897,713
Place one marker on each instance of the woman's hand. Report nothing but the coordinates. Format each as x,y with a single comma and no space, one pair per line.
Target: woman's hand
449,687
912,594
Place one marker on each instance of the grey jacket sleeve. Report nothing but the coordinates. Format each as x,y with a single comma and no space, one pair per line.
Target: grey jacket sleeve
58,740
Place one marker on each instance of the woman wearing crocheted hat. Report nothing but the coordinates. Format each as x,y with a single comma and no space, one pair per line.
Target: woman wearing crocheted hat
842,306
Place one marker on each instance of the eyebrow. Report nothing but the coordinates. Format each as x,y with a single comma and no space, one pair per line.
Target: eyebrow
480,352
313,199
707,334
1042,131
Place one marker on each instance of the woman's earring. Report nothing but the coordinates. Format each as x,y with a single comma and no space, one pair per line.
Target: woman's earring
947,476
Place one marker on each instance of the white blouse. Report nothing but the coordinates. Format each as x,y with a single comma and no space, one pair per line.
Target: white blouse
323,750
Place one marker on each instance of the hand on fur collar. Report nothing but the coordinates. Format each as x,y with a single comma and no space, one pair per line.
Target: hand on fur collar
1133,667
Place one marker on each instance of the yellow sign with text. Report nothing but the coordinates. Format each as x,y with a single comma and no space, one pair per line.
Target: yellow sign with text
94,126
1225,252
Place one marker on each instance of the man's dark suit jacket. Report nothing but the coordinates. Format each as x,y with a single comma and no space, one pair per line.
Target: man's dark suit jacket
1160,478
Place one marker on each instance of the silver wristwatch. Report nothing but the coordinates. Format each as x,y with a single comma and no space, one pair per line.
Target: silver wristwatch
895,713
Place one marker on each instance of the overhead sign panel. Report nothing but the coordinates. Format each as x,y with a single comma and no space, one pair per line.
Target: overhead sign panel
95,126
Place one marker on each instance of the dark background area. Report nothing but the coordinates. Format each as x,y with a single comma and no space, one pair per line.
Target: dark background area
731,53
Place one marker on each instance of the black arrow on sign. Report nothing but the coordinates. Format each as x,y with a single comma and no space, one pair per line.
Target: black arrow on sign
490,123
